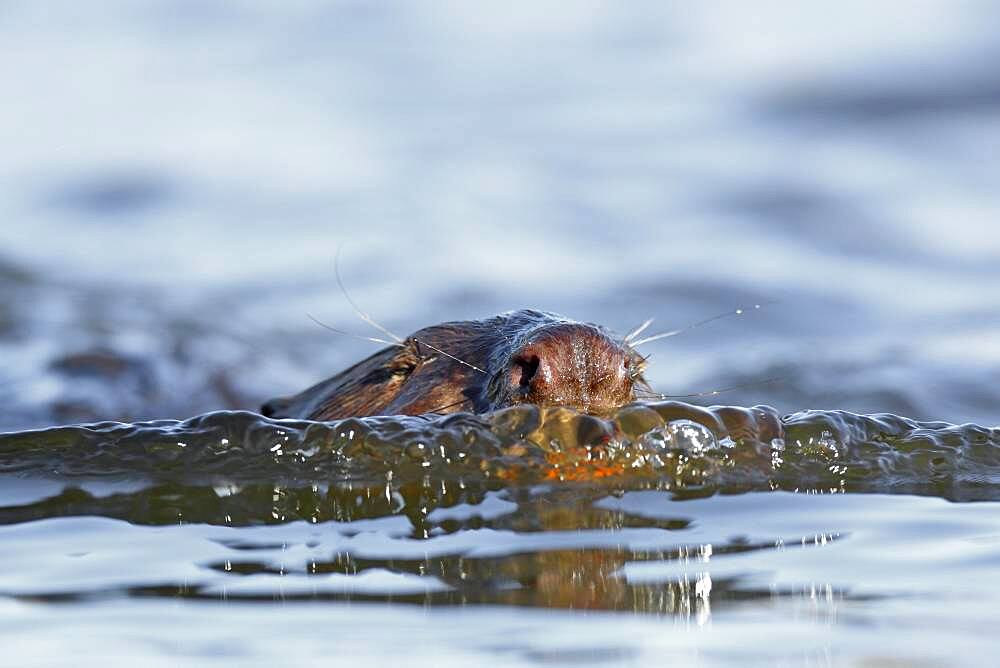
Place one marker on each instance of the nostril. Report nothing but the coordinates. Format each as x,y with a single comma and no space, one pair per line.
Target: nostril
524,369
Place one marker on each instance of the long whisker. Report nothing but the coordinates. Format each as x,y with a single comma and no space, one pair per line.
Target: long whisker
638,330
674,332
356,336
449,355
357,309
712,393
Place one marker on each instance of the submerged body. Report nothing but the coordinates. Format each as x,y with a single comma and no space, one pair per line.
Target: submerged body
477,366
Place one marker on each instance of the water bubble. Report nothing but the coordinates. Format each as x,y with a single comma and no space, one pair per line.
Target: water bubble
694,437
658,438
687,435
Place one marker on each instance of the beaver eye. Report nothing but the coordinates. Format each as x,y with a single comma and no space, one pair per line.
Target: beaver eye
403,369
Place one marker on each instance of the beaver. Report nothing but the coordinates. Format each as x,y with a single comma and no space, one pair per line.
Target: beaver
478,366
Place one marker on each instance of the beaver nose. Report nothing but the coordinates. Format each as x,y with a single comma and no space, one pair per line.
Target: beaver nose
567,364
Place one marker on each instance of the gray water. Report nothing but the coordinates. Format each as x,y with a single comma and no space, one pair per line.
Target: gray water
177,178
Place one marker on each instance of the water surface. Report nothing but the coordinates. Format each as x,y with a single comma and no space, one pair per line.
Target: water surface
176,180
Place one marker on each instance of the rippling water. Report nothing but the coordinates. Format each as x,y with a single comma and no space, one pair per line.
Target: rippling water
177,178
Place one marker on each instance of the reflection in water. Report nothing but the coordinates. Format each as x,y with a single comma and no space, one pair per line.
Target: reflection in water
547,546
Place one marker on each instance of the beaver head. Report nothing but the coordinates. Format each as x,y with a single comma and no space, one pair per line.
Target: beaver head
478,366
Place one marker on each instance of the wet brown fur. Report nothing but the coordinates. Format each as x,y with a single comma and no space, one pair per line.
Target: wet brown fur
517,357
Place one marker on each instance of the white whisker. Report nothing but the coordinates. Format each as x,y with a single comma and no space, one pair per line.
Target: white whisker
450,356
674,332
638,330
655,337
711,393
356,336
357,309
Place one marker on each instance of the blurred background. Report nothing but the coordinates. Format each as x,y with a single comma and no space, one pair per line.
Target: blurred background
176,178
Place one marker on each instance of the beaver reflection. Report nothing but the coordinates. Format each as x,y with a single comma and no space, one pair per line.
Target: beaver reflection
478,366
